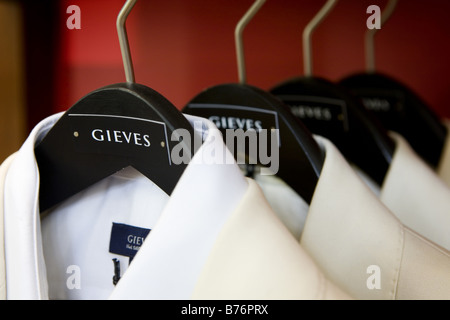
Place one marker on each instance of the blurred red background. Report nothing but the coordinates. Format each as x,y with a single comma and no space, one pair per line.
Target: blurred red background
181,47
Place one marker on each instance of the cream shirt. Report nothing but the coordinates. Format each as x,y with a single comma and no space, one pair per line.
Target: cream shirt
362,246
416,195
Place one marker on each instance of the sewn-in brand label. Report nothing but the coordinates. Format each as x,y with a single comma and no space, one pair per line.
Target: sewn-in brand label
126,240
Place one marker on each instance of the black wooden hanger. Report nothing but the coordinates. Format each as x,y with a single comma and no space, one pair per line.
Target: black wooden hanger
329,110
397,107
242,106
121,125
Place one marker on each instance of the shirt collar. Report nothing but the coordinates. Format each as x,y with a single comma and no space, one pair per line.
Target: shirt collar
416,195
23,247
3,170
171,259
348,229
208,190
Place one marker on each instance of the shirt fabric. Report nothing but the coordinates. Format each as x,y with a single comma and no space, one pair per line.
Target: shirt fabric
214,237
416,195
3,170
360,244
350,232
443,169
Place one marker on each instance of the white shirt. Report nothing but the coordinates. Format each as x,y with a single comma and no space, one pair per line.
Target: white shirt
208,240
3,170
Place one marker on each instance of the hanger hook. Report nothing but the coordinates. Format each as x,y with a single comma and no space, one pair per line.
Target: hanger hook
307,32
370,35
238,38
123,39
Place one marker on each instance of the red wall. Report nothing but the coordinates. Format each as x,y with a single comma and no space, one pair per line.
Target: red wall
180,47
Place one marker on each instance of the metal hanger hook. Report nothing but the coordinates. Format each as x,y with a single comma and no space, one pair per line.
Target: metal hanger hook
307,33
123,39
238,38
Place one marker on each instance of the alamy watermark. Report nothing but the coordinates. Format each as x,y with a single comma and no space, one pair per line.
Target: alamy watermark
374,20
73,22
248,147
374,280
73,281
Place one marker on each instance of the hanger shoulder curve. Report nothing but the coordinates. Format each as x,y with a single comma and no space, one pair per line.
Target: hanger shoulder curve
120,125
241,106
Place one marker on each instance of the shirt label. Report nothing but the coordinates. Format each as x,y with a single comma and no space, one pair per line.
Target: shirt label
126,240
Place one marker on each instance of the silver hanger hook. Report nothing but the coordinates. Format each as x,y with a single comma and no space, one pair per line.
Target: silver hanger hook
370,35
238,38
123,39
307,32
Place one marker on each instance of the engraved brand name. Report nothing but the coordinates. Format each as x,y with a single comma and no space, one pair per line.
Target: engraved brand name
377,104
118,136
236,123
307,112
